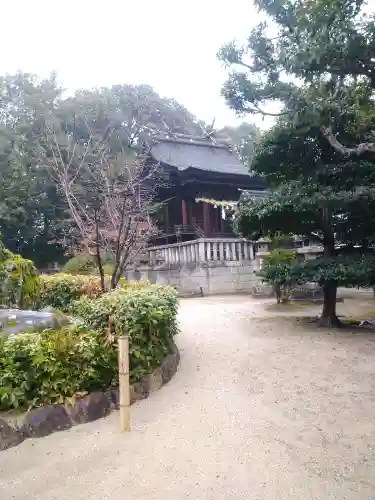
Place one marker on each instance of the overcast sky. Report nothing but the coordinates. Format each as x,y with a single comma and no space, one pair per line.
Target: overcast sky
168,44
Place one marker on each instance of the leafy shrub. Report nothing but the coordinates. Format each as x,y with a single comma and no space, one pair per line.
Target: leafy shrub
276,271
59,290
80,264
147,313
19,280
85,264
52,365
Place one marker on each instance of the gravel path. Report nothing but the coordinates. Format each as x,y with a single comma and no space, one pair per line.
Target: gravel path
259,409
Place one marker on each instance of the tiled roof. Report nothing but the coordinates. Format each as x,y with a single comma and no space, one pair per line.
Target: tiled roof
198,154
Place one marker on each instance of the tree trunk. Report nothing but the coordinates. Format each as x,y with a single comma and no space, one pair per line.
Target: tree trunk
328,317
277,292
100,267
98,254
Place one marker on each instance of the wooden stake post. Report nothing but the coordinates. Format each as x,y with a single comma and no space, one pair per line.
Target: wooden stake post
124,387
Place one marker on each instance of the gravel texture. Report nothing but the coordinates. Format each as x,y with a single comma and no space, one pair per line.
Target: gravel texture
259,409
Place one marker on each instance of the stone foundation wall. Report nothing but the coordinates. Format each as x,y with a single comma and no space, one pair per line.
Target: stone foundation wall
208,277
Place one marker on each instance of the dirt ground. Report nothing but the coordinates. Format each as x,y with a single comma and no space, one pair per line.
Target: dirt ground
261,408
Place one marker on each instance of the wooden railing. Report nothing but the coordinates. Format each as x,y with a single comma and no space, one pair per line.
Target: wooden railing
203,250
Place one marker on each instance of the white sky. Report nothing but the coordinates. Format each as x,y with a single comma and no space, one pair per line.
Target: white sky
170,45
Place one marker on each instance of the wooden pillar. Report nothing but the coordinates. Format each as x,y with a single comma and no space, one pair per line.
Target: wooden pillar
190,211
184,213
124,387
166,216
206,219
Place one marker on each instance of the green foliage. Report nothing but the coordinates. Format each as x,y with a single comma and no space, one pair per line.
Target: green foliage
317,64
86,264
53,365
80,264
316,60
276,270
146,313
34,216
32,211
356,270
19,280
60,290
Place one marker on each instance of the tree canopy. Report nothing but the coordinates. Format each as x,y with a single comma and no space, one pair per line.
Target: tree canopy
316,59
34,217
317,64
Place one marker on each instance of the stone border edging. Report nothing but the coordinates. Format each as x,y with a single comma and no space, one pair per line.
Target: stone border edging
45,420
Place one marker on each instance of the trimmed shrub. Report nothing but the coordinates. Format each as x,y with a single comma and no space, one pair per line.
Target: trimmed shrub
276,271
19,280
147,313
60,290
53,365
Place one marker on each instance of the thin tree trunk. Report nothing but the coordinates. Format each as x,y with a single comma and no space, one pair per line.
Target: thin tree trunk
99,262
98,255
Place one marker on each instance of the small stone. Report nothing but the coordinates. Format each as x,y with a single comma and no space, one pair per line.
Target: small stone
155,380
139,390
45,420
91,407
169,366
9,436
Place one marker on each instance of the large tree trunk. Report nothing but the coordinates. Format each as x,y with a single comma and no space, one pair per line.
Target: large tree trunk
328,317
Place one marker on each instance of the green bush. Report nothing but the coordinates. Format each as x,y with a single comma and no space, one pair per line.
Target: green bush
53,365
59,290
86,264
19,280
80,264
276,271
147,313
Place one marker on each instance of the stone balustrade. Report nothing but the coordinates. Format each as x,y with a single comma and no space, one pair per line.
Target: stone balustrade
203,250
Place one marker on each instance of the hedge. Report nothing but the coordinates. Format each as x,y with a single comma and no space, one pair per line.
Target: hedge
60,290
147,313
53,365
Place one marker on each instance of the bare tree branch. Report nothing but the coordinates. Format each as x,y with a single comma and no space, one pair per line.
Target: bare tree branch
109,197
